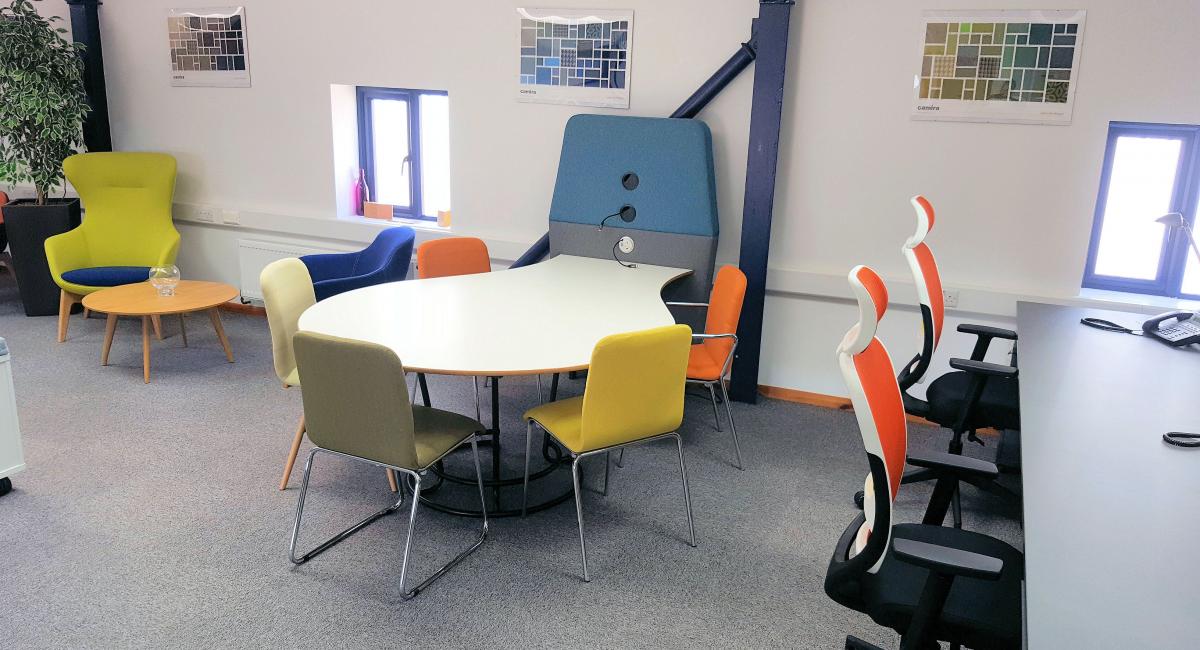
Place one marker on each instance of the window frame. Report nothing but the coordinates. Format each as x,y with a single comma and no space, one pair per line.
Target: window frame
366,143
1173,257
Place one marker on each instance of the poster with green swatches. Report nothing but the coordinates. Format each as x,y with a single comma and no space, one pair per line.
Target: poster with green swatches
998,66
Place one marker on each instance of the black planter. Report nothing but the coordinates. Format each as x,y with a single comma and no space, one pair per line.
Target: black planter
28,226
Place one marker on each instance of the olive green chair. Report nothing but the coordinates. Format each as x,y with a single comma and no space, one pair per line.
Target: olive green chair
357,407
287,291
126,228
634,394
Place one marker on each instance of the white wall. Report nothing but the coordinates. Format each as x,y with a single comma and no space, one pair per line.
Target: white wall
1014,202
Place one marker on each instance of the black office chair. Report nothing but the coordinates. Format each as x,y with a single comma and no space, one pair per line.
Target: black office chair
926,582
977,394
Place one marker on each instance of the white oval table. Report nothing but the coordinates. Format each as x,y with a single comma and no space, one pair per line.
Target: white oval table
540,319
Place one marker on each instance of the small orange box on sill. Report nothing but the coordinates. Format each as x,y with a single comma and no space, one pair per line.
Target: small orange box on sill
377,210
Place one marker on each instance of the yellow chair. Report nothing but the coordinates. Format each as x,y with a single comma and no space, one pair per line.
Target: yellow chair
634,394
126,228
287,291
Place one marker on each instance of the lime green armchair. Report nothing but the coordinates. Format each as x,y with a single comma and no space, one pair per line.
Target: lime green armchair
126,228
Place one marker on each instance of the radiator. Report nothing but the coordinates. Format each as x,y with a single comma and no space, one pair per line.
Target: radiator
255,254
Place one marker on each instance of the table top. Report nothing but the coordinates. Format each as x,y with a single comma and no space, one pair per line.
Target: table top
537,319
142,299
1111,512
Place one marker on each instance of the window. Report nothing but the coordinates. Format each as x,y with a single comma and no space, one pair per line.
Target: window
404,147
1150,170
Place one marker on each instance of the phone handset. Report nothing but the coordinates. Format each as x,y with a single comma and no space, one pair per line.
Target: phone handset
1175,328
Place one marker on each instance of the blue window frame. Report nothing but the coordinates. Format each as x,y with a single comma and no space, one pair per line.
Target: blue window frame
1149,170
391,144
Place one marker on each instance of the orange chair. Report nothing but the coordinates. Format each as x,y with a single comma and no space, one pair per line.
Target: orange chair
712,356
440,258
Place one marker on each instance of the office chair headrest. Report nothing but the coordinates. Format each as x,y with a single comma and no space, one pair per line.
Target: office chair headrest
872,304
924,210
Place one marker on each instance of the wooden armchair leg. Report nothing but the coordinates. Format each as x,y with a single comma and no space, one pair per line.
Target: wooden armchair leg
291,459
65,302
392,480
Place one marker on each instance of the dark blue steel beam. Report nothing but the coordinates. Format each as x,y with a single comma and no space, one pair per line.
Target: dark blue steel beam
85,29
535,254
766,116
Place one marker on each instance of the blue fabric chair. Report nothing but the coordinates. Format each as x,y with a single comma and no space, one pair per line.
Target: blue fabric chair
386,260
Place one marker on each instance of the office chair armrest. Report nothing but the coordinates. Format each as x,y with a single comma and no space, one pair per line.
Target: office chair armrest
963,466
985,334
988,331
687,304
714,336
947,561
984,368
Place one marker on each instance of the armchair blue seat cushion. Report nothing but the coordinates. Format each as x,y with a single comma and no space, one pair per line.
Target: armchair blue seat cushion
386,260
107,276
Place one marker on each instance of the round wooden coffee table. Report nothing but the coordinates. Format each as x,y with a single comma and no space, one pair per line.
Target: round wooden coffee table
142,300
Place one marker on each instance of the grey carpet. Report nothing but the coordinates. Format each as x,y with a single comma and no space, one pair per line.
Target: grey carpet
149,516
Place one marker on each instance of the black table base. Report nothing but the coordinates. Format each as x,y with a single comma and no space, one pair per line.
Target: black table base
552,452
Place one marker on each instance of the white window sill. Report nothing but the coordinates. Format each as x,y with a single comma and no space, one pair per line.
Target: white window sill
1118,299
415,224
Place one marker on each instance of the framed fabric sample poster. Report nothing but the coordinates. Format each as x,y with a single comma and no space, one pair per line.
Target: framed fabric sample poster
998,66
575,56
208,47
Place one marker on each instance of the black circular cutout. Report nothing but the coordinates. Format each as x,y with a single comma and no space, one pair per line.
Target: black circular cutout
628,213
630,181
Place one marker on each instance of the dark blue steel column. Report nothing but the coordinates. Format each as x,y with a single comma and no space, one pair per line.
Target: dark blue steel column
85,29
766,113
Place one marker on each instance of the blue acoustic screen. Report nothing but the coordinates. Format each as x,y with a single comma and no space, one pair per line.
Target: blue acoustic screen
672,159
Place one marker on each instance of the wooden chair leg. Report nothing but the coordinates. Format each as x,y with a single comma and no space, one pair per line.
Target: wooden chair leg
157,320
291,460
65,300
392,480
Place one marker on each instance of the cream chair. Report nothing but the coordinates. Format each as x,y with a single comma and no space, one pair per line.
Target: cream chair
287,291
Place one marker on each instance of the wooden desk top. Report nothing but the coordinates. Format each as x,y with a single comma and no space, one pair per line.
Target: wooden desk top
142,299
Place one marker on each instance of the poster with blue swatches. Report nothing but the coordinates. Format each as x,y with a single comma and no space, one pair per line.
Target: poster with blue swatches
579,57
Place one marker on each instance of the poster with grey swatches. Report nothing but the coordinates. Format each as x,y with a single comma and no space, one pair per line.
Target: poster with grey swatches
998,66
580,57
208,47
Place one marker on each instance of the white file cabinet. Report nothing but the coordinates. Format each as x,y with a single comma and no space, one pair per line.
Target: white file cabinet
12,460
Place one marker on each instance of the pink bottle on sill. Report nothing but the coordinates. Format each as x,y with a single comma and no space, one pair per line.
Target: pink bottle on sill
360,193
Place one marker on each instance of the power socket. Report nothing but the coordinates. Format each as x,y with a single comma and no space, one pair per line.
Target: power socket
231,217
206,213
950,298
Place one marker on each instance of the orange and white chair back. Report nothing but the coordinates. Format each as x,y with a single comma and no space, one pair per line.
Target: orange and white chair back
929,292
875,395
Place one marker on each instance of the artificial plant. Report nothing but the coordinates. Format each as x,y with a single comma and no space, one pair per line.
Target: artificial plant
42,98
